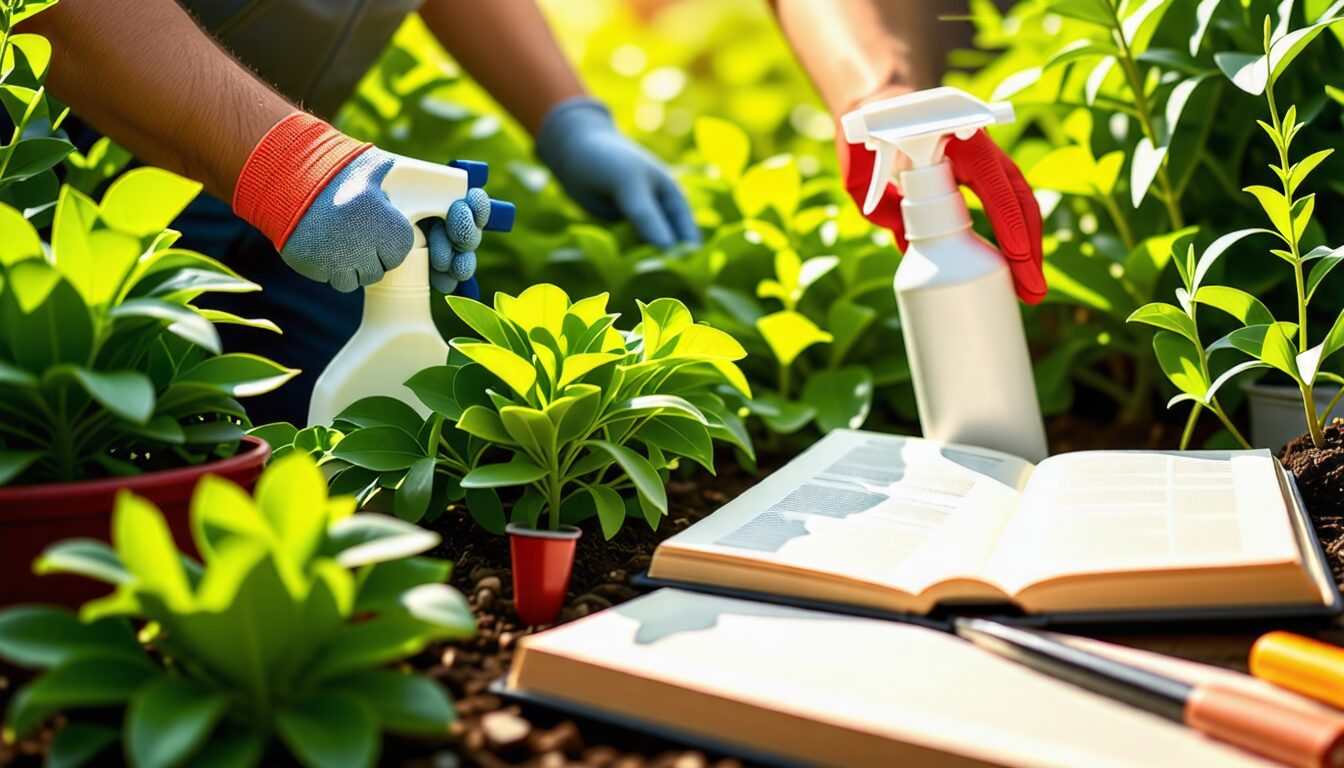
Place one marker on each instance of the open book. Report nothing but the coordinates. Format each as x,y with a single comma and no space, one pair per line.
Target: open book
903,524
826,689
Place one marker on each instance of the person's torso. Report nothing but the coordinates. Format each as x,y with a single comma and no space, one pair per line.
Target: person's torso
313,51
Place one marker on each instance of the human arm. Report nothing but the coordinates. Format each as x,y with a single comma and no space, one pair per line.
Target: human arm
507,47
860,51
143,72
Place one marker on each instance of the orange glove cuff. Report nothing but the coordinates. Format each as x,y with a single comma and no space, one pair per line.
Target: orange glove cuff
287,169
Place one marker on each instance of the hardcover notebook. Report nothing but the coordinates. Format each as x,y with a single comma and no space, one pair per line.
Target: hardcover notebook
901,524
746,677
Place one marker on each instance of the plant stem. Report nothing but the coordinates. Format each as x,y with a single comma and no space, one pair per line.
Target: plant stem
1232,428
785,381
1325,414
1130,65
1189,430
1121,223
553,513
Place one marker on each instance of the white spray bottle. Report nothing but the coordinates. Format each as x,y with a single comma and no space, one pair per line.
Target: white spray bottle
959,315
396,337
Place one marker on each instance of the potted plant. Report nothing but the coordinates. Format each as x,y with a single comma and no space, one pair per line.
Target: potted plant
282,632
1282,346
111,376
552,406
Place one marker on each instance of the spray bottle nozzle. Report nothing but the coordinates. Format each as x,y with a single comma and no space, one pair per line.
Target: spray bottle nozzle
917,125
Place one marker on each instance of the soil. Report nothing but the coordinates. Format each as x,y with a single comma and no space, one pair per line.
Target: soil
1319,471
492,732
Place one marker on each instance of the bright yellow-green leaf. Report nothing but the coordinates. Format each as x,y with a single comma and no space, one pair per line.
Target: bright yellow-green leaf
287,493
145,200
512,369
723,145
591,309
702,341
661,321
577,366
774,183
789,333
1276,207
18,239
146,547
541,306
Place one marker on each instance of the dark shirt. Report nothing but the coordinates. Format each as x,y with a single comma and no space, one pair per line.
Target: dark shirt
312,51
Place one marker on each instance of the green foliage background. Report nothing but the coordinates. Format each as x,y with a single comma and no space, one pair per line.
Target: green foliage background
1130,127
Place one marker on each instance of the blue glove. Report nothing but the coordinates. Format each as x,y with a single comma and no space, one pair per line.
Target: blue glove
350,234
611,176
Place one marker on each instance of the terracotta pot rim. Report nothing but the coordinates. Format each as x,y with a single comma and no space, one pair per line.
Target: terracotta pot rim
254,451
566,532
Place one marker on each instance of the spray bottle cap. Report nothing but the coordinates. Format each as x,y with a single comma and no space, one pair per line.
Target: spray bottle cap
918,125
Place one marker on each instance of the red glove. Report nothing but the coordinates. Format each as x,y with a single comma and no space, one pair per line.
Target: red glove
994,178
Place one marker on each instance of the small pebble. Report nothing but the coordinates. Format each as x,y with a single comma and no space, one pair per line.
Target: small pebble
690,760
491,583
505,639
503,729
563,738
448,657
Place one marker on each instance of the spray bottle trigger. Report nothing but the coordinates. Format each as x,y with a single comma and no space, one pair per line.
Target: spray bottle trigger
883,168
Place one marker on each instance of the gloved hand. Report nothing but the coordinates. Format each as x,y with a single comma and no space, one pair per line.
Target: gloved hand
979,164
611,176
317,195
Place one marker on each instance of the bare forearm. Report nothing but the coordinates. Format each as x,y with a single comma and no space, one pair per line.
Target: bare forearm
856,49
142,72
507,46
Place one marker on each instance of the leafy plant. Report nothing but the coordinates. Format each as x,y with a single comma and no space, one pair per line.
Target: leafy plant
107,364
283,631
36,144
1122,131
1281,345
566,395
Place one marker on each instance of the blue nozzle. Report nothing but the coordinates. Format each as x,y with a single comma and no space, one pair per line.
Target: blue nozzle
501,217
477,172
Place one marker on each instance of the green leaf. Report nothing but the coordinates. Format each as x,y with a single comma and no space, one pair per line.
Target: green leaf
43,318
381,585
442,608
610,509
181,320
144,201
638,469
681,437
146,548
367,538
1168,317
576,367
128,394
408,704
847,321
434,387
330,730
77,744
1203,17
788,333
485,508
1216,250
1319,271
483,320
1237,303
1144,166
1276,208
417,487
13,463
380,410
18,238
1267,343
661,321
1091,11
1179,360
842,398
484,423
513,370
382,449
671,405
33,156
723,145
782,416
219,317
83,557
240,374
518,471
41,636
90,681
276,434
1301,169
169,719
775,184
703,342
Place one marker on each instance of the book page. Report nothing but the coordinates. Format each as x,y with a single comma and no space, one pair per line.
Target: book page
891,510
1109,511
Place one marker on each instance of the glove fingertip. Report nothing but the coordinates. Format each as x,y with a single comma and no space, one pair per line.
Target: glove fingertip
442,282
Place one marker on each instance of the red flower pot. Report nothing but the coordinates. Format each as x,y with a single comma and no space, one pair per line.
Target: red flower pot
542,563
32,517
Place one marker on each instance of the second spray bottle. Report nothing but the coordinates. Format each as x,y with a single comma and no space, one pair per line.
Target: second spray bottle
963,331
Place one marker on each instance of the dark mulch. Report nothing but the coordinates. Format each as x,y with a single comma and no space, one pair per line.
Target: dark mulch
493,732
1319,471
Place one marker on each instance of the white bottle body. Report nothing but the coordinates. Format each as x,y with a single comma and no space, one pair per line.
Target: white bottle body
963,333
396,338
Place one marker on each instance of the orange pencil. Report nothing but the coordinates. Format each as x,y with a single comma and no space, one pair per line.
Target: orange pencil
1300,664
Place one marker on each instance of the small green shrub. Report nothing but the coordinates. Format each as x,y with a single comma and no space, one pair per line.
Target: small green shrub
1279,345
283,631
552,403
107,364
